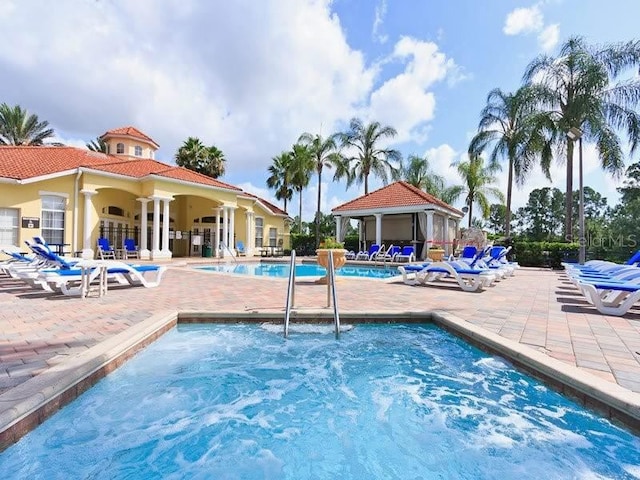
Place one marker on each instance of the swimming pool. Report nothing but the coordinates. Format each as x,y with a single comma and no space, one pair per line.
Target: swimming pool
281,270
385,401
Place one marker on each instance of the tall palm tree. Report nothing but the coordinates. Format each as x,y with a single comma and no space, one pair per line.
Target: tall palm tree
369,157
580,88
516,132
325,153
196,156
280,177
215,162
97,145
418,173
17,127
302,166
477,179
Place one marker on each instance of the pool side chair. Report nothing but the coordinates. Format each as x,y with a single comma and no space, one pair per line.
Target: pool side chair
407,254
468,279
612,298
129,249
350,255
368,254
383,254
410,271
241,251
105,250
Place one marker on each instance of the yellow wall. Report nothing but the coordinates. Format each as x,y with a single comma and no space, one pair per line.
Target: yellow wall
190,201
129,147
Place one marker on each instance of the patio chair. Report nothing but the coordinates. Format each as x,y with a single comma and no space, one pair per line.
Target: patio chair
350,255
611,298
407,254
240,248
468,279
105,250
369,254
129,249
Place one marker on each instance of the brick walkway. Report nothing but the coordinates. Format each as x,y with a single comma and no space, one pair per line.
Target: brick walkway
538,308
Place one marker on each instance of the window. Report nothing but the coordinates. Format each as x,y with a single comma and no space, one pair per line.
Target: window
259,228
138,151
53,210
273,235
120,148
108,149
8,226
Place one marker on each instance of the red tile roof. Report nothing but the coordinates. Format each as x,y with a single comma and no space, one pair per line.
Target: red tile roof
129,132
22,163
397,194
270,205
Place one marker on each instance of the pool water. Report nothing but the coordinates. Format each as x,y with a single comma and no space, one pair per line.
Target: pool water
281,270
383,401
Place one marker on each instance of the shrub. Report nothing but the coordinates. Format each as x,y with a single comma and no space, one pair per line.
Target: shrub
544,254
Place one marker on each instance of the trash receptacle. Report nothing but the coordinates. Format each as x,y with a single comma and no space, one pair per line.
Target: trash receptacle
207,251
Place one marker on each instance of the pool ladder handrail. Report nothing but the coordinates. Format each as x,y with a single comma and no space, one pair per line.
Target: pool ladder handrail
331,293
224,247
290,302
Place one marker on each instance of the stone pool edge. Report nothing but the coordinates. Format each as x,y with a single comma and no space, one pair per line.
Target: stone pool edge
27,405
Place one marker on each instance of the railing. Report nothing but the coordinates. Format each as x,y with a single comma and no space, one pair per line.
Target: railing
331,292
290,293
224,247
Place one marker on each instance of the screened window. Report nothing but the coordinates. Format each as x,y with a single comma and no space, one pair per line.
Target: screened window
53,209
8,226
120,148
259,231
138,151
273,236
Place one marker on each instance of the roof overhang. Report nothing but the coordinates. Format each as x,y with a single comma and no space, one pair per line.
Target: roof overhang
397,210
154,176
130,137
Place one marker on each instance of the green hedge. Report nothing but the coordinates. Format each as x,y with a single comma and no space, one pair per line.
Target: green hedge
544,254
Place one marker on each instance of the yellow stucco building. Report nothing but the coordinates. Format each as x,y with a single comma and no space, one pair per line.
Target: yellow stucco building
72,197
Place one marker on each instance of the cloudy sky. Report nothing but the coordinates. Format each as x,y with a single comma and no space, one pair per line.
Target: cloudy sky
250,76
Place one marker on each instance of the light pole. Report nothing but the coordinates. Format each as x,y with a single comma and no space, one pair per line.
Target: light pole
576,134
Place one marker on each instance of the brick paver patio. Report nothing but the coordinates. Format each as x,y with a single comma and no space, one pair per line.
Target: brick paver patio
537,308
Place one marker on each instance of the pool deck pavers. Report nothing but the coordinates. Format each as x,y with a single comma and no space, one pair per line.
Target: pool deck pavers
538,308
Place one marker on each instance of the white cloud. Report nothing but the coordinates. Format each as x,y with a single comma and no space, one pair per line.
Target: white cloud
523,20
380,13
405,100
440,161
548,38
225,72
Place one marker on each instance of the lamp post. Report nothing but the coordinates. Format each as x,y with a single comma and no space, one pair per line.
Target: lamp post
574,134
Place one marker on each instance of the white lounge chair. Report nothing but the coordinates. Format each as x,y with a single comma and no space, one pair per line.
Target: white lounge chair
468,279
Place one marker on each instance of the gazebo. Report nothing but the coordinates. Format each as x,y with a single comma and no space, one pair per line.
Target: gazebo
401,214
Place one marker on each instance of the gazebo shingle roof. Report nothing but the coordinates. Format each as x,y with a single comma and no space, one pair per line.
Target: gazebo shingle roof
397,194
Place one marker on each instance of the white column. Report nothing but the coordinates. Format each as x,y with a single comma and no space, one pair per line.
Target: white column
361,240
247,242
155,250
225,227
87,250
378,228
145,254
166,221
216,246
232,228
447,245
338,222
429,238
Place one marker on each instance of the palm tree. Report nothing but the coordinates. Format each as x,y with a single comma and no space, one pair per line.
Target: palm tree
477,181
280,177
419,174
302,166
369,157
580,89
215,162
325,153
97,145
17,127
517,133
196,156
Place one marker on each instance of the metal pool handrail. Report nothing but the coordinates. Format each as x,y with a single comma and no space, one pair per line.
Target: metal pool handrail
331,289
290,293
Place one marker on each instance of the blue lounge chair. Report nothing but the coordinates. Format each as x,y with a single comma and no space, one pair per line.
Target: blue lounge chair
129,249
105,250
468,279
407,254
240,248
611,298
369,254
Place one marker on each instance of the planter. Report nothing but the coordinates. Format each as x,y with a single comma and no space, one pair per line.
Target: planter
339,259
436,254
